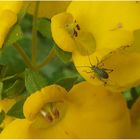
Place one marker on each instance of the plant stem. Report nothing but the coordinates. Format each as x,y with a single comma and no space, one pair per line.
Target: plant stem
49,58
34,34
26,59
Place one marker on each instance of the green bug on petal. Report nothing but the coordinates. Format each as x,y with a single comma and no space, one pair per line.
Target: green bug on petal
99,72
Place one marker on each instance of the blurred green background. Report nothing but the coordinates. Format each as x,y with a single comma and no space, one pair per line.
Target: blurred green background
55,70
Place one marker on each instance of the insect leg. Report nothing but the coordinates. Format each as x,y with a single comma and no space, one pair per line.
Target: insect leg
92,77
108,70
99,62
88,71
89,59
83,66
105,82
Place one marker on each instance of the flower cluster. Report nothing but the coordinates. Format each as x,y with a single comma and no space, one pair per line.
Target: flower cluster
103,39
85,112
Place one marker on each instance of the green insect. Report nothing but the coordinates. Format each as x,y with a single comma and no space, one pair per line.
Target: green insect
99,72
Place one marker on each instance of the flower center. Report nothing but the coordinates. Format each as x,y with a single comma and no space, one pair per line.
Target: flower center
73,29
50,112
49,115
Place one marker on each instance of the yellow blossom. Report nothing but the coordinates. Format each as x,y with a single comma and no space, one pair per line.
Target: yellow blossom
86,111
101,34
8,17
135,118
48,94
5,105
48,8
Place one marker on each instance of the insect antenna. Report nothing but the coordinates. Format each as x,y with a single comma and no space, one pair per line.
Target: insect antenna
97,61
84,66
89,59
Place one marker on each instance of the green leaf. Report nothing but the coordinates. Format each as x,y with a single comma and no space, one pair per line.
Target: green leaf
9,77
16,89
127,95
131,96
2,116
17,109
134,94
23,12
3,70
1,89
21,15
15,35
63,55
67,83
44,27
34,81
138,90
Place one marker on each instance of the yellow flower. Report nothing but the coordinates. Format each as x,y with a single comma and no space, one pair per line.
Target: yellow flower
8,17
135,118
101,34
48,9
10,9
5,105
86,111
39,99
19,128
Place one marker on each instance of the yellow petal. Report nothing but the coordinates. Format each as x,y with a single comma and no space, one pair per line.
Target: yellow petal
69,35
19,128
39,99
13,6
135,111
92,112
99,112
58,26
8,17
112,24
6,104
135,118
48,9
